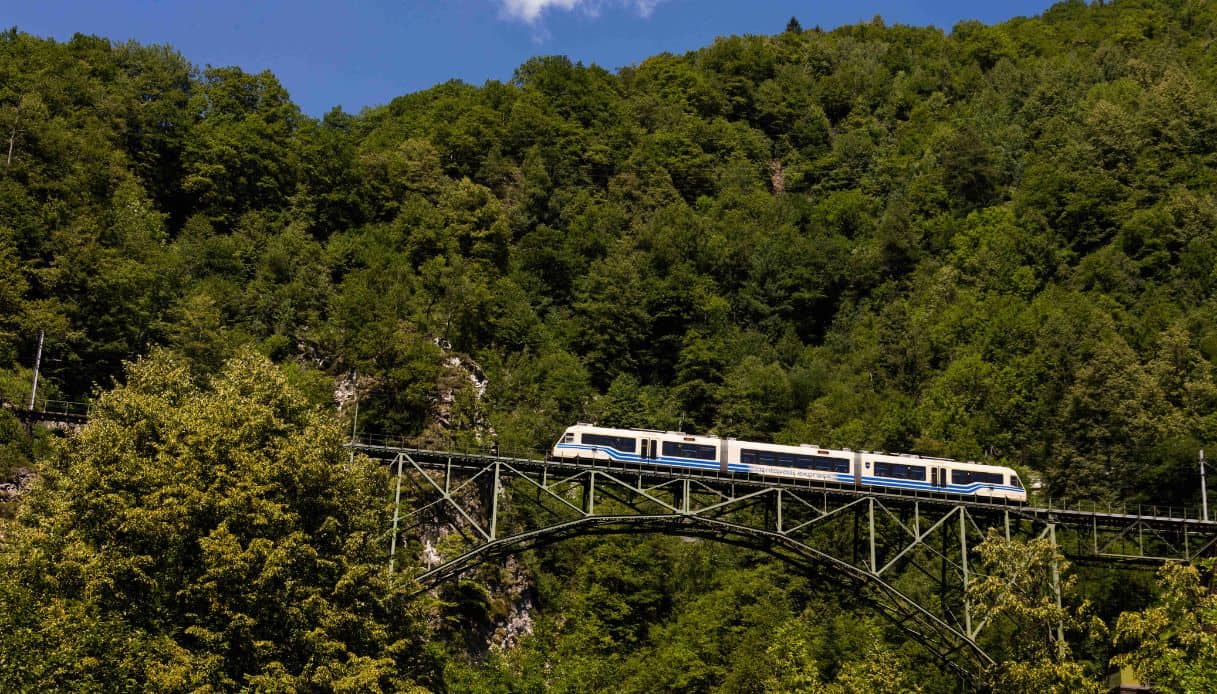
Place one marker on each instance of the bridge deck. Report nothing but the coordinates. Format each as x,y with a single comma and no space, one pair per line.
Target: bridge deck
1165,518
50,411
912,555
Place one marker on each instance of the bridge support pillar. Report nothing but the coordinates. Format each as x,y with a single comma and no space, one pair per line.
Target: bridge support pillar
963,563
870,517
494,500
396,514
589,494
1056,590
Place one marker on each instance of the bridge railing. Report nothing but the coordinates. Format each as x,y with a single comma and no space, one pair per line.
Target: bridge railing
1121,509
390,441
432,448
1035,504
62,407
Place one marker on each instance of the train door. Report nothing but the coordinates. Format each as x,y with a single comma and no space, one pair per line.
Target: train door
938,477
649,448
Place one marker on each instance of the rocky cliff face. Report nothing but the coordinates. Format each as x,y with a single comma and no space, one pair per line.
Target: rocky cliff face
12,489
457,418
519,593
21,481
457,412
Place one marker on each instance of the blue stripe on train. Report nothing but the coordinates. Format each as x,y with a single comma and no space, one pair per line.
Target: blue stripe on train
617,455
950,488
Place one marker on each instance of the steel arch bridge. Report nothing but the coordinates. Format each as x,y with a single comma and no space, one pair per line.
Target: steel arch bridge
909,555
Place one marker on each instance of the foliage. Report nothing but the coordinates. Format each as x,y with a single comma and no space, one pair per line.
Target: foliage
991,243
1026,585
1174,641
210,535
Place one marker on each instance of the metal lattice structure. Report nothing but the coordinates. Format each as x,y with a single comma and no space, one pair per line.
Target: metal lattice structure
909,555
43,411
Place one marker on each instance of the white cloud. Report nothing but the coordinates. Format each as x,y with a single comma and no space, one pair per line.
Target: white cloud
645,7
530,11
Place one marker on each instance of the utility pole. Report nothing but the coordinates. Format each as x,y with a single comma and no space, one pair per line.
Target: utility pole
12,137
37,366
355,419
1204,490
354,430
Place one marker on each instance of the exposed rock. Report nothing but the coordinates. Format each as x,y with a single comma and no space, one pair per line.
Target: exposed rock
431,557
777,176
456,415
347,389
22,480
518,590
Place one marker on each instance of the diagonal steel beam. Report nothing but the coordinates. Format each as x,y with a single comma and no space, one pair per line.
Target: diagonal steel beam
938,636
538,485
701,511
447,496
919,539
826,515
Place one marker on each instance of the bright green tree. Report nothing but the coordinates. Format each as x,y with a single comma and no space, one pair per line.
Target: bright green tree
1174,641
1019,594
209,536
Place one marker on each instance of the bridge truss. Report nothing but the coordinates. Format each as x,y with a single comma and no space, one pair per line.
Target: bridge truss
911,556
52,412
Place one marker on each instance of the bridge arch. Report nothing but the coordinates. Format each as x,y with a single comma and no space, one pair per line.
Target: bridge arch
911,555
954,650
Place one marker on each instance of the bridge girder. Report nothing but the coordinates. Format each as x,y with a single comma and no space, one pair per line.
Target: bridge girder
911,557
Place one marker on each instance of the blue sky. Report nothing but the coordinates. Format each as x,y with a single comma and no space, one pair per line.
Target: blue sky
357,54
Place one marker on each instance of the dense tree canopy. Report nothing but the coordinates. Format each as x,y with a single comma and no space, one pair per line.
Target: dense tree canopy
993,242
205,536
1173,643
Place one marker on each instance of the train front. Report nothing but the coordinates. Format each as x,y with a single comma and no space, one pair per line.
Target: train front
565,446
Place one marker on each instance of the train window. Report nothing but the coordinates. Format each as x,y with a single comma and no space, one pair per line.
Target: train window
899,471
568,438
1014,482
969,476
753,457
822,463
681,449
621,443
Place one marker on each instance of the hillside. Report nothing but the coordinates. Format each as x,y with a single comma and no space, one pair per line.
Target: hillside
994,243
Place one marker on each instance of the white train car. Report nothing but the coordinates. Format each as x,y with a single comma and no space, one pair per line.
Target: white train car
834,466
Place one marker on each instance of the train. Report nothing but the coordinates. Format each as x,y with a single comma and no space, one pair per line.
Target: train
845,467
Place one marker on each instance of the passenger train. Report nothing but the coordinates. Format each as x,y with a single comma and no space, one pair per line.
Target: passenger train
839,466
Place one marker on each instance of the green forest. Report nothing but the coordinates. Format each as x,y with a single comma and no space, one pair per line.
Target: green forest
993,243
